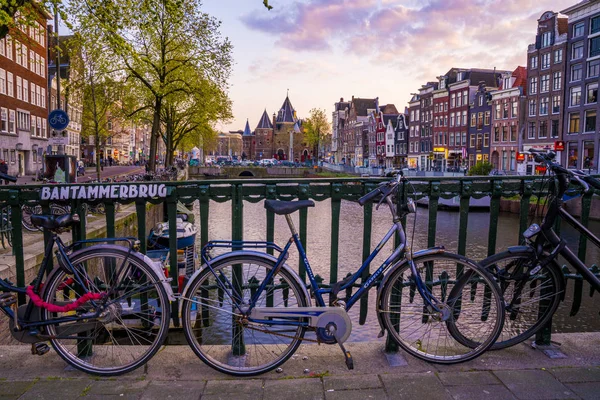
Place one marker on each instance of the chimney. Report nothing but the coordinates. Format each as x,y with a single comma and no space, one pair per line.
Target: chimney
341,99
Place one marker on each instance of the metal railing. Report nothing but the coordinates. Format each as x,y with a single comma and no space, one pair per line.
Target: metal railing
239,192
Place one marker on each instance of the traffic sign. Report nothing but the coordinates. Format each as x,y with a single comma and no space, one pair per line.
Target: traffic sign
58,120
58,140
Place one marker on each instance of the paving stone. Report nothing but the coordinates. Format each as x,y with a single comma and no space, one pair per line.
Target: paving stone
294,389
412,386
372,394
351,382
238,396
587,390
468,378
479,392
233,386
14,388
180,390
534,384
130,396
576,374
56,389
117,388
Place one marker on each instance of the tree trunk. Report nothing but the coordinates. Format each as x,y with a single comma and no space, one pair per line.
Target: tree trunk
154,135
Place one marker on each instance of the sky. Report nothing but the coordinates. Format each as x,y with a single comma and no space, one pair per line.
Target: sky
322,50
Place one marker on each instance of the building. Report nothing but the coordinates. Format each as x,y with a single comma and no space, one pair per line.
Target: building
414,109
401,142
263,137
546,61
508,120
355,135
248,142
480,116
440,125
338,121
582,59
23,95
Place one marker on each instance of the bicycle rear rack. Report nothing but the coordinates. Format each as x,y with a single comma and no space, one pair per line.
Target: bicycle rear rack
236,245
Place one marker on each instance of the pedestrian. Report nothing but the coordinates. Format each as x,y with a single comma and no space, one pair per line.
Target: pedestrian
4,169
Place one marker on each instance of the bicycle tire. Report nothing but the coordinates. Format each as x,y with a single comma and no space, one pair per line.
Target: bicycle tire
26,212
132,326
518,325
208,318
429,335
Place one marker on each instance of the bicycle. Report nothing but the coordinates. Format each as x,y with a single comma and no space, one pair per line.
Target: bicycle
104,308
246,312
529,276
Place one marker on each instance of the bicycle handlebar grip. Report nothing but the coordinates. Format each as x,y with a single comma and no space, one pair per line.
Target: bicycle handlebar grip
8,177
369,196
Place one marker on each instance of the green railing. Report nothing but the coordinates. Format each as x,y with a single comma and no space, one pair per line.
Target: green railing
239,192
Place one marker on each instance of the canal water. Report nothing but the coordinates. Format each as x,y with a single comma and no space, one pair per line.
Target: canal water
350,248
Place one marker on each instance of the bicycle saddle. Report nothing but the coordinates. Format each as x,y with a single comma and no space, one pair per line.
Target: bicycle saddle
287,207
52,221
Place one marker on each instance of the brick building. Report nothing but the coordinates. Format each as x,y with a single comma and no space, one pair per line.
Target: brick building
440,126
546,60
582,58
480,117
23,96
414,109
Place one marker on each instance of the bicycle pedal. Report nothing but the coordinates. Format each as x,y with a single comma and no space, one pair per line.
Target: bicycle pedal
347,356
7,299
39,348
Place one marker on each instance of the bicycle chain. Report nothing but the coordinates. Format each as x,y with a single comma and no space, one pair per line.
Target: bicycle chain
283,334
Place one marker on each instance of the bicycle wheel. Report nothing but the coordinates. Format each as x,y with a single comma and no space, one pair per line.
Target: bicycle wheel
473,307
530,300
134,312
219,335
26,212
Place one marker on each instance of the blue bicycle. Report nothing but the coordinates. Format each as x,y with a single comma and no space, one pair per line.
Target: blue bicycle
246,312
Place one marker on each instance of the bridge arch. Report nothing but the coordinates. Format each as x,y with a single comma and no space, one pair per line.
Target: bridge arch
246,173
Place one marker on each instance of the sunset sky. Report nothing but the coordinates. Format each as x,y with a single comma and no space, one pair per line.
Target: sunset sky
322,50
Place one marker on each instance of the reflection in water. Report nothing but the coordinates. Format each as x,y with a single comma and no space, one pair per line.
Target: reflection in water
350,248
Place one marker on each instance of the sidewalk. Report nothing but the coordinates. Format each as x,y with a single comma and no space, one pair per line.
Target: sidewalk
319,372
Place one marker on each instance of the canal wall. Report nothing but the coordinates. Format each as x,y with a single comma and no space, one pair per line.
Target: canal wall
249,172
573,207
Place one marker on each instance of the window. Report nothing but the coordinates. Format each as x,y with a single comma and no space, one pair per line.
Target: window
575,96
593,69
544,83
2,47
473,119
11,121
543,132
452,100
44,127
498,113
574,123
588,155
595,25
3,120
19,88
464,118
556,80
554,128
590,121
452,119
505,110
513,133
496,134
576,72
464,138
43,95
572,154
533,62
458,100
25,90
505,134
555,104
592,93
13,157
23,121
38,96
39,129
472,141
9,47
43,67
480,120
487,118
33,99
486,140
451,140
558,56
32,64
544,106
33,126
515,109
480,100
546,61
533,85
2,81
531,130
532,107
578,29
546,39
595,47
19,56
465,99
577,51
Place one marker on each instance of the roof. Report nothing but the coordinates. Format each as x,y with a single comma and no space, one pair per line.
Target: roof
265,122
286,112
389,109
563,25
362,105
390,117
247,131
520,73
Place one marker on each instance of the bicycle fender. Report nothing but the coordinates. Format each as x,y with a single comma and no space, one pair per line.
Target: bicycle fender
400,263
266,257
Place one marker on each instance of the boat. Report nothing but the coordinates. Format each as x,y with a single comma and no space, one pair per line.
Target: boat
158,244
453,204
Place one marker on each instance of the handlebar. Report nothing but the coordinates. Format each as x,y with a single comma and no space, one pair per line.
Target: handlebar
8,177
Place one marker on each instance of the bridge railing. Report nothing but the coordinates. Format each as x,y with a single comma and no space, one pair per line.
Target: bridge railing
243,191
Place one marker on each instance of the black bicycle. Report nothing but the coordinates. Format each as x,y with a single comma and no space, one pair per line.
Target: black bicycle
529,276
104,308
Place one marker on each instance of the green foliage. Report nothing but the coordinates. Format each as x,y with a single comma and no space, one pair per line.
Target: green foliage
481,168
317,130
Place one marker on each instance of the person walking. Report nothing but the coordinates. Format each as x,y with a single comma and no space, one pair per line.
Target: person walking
4,169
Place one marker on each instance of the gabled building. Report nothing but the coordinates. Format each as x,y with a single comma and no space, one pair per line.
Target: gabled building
401,140
263,137
508,120
339,119
355,135
480,110
546,74
248,142
440,125
414,109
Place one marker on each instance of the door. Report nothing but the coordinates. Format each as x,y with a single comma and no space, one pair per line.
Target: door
21,159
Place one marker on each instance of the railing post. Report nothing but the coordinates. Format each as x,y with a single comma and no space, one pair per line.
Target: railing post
140,209
366,250
465,196
238,347
526,192
271,194
303,194
336,201
173,267
494,212
204,200
16,218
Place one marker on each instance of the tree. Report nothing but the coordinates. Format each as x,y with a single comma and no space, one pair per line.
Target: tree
158,43
481,168
317,130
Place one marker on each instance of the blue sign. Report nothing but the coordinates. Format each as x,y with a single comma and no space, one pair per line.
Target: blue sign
58,120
